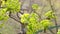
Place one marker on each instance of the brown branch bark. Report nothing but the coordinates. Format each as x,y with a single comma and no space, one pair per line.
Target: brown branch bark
18,15
14,18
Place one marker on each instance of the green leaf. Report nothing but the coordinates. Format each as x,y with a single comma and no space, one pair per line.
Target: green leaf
13,5
46,23
3,15
24,18
35,6
50,14
32,20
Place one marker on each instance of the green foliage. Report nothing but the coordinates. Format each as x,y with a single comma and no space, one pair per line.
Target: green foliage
33,27
46,23
33,23
24,18
58,32
12,5
9,5
31,19
3,15
50,14
35,6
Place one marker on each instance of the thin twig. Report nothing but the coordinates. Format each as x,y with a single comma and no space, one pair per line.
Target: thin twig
38,15
13,18
51,31
18,15
54,15
30,5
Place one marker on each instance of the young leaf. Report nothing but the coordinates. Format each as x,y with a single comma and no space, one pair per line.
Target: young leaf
46,23
50,14
13,5
35,6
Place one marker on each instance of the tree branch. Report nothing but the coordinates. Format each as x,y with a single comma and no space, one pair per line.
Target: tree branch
14,18
18,15
54,15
